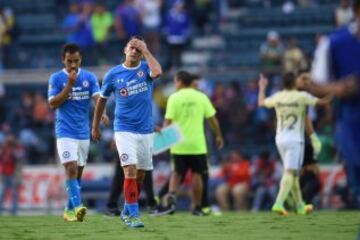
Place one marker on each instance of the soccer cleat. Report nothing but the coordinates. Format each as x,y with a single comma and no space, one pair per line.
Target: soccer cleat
135,222
305,209
69,216
279,209
80,213
125,218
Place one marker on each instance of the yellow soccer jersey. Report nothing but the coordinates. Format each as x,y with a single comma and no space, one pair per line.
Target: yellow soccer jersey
290,107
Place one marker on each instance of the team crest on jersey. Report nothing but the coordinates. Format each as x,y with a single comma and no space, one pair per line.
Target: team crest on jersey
124,157
123,92
85,83
66,154
140,74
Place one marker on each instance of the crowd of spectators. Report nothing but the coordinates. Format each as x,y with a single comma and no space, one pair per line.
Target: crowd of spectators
245,126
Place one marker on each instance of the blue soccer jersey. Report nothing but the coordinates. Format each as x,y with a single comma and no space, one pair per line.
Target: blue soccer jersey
133,89
72,117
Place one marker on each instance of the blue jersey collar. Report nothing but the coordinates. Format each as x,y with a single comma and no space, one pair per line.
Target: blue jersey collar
78,73
131,68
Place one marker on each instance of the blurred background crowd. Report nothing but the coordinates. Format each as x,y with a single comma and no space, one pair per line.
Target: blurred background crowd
227,42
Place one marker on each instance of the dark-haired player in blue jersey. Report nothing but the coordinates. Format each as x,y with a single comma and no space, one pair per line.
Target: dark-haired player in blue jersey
70,92
132,84
336,70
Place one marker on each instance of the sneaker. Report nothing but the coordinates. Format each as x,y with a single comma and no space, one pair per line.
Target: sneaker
135,222
279,209
80,213
207,211
197,212
112,212
69,216
305,209
161,211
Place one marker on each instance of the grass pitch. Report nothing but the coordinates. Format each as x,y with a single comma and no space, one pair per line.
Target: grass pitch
320,225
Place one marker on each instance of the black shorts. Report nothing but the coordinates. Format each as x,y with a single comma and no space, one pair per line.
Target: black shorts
197,163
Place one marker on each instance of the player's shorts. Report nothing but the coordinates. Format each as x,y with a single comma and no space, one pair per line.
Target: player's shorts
70,149
292,154
197,163
135,149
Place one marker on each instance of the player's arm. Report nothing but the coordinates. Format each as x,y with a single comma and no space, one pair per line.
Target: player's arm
167,122
98,113
263,82
325,100
104,117
309,130
154,65
215,127
60,98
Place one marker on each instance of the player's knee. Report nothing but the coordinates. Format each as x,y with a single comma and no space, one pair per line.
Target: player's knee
71,169
130,171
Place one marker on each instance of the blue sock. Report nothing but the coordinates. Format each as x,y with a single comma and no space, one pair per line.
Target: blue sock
73,190
133,210
69,204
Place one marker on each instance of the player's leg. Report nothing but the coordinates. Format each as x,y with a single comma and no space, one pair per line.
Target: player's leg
205,204
348,142
68,154
197,166
116,189
287,179
149,190
126,146
176,178
83,152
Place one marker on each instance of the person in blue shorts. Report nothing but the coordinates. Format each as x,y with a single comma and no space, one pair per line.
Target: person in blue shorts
336,70
132,84
70,92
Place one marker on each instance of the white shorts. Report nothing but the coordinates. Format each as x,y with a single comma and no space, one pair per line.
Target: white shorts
292,154
70,149
135,149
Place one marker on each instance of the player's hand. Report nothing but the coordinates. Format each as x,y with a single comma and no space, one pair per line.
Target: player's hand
105,119
72,77
346,88
96,133
316,144
158,129
219,142
263,82
140,45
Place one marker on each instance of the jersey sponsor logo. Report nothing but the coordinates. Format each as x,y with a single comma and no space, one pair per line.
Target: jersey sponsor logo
124,157
123,92
140,74
66,154
85,83
137,88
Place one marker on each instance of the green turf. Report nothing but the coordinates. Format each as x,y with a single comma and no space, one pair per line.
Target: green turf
247,226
